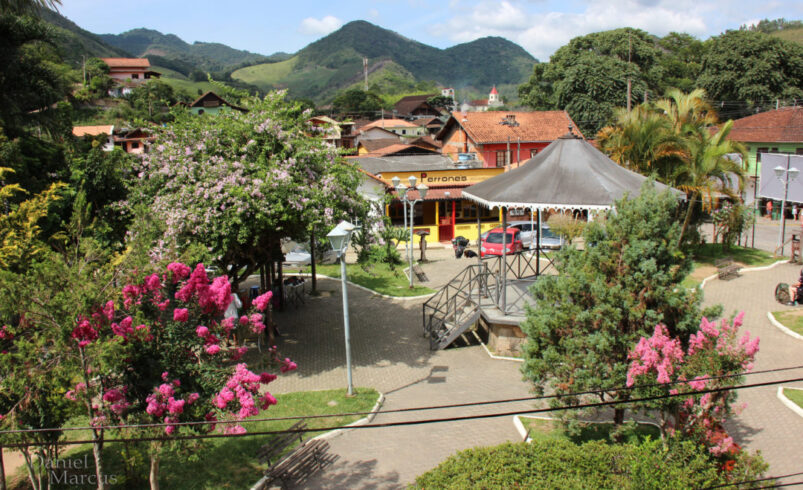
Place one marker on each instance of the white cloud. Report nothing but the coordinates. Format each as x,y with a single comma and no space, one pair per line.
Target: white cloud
540,29
319,27
373,13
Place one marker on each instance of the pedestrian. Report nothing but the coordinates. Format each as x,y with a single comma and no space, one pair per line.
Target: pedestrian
233,311
769,208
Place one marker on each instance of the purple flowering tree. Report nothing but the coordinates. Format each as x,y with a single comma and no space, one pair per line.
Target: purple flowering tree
237,183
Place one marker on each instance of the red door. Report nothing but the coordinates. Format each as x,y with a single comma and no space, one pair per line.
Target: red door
446,221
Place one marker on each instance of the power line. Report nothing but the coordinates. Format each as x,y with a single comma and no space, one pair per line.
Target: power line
409,409
416,422
757,480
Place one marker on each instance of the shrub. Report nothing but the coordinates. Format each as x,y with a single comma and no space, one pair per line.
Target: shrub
558,463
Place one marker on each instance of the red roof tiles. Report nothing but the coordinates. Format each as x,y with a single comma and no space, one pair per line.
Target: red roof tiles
783,125
127,62
498,126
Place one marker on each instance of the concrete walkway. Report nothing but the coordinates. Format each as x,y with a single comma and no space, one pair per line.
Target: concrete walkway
765,424
390,354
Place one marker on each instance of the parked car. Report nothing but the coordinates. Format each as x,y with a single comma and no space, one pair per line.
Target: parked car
492,243
549,240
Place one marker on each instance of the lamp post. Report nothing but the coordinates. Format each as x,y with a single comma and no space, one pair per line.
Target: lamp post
785,175
340,236
404,196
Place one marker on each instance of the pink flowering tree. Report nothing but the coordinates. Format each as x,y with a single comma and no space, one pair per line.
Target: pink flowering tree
662,365
239,182
164,355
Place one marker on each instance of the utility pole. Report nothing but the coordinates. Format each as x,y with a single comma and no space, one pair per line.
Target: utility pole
365,71
83,64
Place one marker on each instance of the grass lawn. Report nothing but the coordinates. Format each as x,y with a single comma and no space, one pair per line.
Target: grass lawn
543,429
795,395
378,277
791,319
223,462
705,256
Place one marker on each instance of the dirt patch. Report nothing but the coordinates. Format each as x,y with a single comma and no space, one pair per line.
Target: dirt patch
702,272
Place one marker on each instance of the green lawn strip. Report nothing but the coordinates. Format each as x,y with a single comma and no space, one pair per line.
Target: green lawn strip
790,320
690,283
794,395
709,253
544,429
377,277
222,462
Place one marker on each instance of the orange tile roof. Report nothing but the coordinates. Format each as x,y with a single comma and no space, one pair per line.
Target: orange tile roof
487,127
80,131
127,62
389,123
783,125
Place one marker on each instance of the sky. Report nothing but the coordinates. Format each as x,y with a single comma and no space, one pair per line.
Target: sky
539,26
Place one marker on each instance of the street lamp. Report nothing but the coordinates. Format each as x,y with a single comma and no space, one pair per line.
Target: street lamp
785,175
404,197
339,237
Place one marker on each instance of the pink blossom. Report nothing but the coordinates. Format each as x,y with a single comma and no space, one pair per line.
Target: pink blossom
244,320
166,390
179,270
262,301
268,400
108,310
288,365
152,283
175,406
236,429
169,429
227,324
192,398
266,378
84,333
181,315
202,331
212,349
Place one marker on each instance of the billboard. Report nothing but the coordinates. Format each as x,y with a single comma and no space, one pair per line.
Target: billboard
771,187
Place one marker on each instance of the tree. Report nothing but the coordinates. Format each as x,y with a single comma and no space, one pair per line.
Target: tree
682,61
356,101
443,101
712,358
752,68
708,170
27,6
239,182
588,76
588,317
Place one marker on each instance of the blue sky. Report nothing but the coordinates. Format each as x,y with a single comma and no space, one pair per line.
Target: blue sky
539,26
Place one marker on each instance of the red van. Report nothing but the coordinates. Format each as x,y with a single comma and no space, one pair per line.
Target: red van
492,243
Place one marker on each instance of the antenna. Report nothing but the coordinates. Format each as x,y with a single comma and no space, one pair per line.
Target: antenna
365,71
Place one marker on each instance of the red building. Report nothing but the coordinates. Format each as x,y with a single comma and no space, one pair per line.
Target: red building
502,139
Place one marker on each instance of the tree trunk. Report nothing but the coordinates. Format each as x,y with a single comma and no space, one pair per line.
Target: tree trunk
29,466
97,453
689,212
154,474
618,416
312,261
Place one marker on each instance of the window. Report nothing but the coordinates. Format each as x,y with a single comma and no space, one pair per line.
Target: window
404,131
134,76
799,151
533,152
134,144
502,158
759,151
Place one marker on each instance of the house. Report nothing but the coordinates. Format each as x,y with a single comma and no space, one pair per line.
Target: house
128,73
493,101
416,106
373,145
104,132
135,141
403,128
502,139
375,133
329,129
212,103
777,131
433,124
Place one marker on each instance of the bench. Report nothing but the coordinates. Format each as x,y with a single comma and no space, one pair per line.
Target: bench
726,268
296,465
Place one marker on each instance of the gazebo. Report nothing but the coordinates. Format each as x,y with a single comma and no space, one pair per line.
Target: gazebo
568,175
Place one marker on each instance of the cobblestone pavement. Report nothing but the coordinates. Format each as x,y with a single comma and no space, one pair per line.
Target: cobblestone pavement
765,424
390,354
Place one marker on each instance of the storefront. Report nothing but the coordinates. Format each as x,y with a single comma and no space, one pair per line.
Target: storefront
444,213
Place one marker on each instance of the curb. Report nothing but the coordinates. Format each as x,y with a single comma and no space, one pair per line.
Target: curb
260,485
745,269
523,432
789,403
783,328
400,298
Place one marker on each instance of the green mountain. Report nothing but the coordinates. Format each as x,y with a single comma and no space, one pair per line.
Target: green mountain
171,51
75,42
335,62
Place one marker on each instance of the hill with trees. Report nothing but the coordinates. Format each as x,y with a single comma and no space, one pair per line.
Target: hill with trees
335,62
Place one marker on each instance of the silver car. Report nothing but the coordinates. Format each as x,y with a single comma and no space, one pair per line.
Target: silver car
549,240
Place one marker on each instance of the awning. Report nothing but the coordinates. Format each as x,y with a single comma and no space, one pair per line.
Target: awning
434,194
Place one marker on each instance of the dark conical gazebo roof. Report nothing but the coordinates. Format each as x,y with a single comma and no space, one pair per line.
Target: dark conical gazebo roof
569,174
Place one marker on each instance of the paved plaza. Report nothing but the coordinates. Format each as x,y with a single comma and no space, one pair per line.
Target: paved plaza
391,355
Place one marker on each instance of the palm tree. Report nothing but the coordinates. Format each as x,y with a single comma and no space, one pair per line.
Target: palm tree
687,110
643,141
707,171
